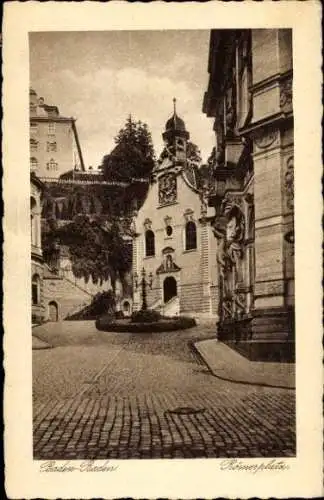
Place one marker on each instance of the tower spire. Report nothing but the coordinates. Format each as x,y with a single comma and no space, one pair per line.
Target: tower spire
174,111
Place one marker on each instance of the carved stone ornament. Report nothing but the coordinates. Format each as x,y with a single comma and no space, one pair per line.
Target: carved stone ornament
167,250
168,265
167,189
286,96
289,183
188,215
167,220
231,200
147,224
266,138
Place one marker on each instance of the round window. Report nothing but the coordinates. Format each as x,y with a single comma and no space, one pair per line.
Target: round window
169,230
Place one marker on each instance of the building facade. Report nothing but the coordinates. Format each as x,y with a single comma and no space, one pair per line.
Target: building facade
37,263
54,142
173,240
250,96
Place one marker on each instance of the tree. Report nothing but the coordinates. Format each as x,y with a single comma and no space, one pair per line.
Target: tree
193,153
133,155
97,250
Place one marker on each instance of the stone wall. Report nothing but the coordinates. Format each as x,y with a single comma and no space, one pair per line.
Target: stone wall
38,310
68,297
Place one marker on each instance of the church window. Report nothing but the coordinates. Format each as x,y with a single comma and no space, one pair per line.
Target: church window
35,289
149,243
191,236
169,230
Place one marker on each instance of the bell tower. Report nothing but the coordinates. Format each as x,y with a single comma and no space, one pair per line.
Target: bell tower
175,137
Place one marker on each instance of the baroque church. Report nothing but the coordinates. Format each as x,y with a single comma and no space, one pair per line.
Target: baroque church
173,239
227,251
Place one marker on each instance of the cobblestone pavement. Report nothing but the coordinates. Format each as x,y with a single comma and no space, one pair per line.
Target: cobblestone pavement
99,395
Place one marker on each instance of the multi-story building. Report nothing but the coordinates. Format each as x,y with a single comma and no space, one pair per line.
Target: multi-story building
37,264
250,96
54,142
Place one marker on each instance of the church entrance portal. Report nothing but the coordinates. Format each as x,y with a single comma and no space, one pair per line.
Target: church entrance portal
169,288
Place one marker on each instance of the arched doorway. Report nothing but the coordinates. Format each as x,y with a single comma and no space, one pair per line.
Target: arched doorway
126,308
169,288
53,311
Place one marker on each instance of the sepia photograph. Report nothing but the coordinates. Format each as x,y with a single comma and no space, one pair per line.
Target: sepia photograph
162,234
162,244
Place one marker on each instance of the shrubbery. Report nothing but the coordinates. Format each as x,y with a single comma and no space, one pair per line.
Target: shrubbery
107,323
147,316
37,319
102,303
119,315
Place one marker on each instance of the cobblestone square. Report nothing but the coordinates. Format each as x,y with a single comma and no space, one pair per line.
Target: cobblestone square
100,395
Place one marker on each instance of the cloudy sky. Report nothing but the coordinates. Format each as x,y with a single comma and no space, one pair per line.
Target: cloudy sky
102,77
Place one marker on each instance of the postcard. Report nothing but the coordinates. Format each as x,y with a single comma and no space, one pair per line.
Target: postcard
162,292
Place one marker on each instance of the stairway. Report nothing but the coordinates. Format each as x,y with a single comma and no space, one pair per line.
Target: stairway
171,308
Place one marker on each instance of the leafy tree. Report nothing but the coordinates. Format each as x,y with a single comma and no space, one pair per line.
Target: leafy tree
193,153
133,155
204,177
97,250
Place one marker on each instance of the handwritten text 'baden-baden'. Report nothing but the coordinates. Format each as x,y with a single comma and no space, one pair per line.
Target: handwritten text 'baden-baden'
86,466
236,465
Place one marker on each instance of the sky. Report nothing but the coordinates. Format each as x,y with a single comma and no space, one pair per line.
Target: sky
102,77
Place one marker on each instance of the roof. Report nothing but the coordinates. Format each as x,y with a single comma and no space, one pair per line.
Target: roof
175,123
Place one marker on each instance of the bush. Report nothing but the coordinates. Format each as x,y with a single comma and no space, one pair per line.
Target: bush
163,325
147,316
105,320
119,315
37,319
102,303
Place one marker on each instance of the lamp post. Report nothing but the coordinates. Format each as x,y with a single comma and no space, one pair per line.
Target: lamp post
143,284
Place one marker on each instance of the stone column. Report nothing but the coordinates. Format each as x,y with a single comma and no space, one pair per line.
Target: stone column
136,266
271,326
204,267
271,323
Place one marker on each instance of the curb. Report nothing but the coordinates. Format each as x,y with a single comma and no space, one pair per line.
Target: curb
233,381
45,345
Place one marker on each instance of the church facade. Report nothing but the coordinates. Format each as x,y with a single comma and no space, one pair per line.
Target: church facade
173,242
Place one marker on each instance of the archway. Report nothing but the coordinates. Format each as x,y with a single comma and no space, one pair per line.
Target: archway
53,311
126,308
169,288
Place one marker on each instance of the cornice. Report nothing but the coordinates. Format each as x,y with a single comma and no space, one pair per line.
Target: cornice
267,82
274,120
51,119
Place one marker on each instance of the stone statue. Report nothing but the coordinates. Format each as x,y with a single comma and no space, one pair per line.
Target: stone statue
229,230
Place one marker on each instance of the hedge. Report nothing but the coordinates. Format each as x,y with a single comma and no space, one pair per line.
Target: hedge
147,316
105,323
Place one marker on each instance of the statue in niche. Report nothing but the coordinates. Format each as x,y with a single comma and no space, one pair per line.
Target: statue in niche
229,230
168,262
